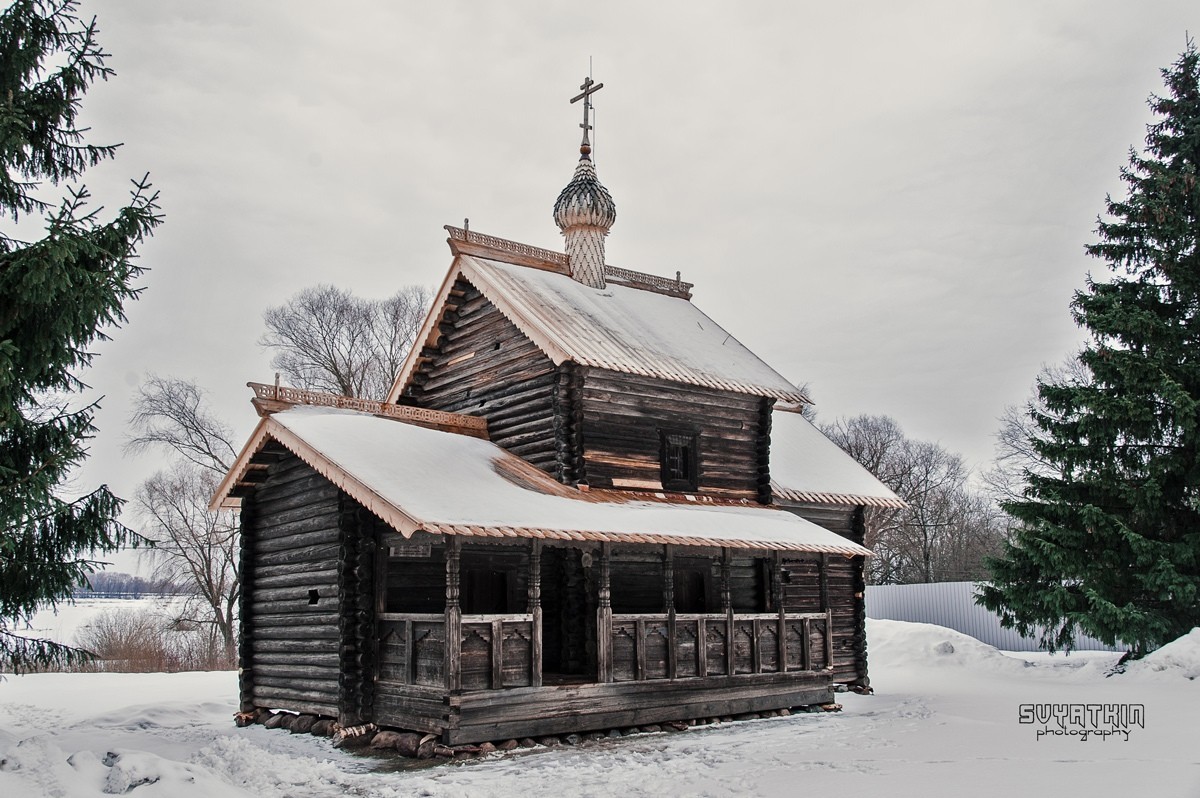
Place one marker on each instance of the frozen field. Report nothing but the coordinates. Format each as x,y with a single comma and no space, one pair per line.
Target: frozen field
944,721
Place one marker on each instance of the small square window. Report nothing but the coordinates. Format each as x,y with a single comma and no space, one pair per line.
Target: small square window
678,459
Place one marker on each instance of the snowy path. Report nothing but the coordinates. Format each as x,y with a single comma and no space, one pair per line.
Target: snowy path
943,723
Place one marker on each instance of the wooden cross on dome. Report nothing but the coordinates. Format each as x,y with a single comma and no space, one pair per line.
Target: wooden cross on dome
589,88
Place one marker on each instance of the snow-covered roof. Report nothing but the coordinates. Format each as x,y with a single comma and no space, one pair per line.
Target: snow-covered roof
423,479
619,328
808,467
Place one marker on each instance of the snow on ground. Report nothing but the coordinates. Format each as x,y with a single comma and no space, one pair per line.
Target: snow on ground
944,721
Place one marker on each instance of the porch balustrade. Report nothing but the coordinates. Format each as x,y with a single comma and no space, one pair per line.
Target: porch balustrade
498,651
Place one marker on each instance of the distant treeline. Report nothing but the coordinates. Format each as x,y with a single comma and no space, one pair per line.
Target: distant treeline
107,584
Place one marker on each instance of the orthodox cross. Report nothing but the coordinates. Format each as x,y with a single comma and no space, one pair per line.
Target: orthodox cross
589,88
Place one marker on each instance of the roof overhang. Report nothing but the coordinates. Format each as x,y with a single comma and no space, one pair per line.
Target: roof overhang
441,482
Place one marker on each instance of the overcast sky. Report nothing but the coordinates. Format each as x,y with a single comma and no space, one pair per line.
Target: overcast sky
887,201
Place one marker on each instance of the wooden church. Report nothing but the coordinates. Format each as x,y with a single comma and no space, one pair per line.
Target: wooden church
583,505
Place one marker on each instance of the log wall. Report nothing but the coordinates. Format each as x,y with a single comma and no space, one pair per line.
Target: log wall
484,366
622,417
291,611
836,581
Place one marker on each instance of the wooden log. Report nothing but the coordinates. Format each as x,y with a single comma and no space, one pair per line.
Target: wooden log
298,671
301,555
263,571
325,687
317,533
320,645
299,578
281,697
296,606
325,593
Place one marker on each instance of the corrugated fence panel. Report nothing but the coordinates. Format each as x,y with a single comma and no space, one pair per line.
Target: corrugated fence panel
952,604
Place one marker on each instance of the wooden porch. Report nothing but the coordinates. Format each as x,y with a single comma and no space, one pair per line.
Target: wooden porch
476,677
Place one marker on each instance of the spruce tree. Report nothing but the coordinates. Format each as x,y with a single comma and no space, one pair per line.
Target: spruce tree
57,295
1109,538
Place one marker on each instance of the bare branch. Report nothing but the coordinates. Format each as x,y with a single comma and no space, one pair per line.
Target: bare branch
173,413
324,338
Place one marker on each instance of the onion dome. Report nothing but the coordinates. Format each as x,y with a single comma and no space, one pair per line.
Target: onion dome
585,202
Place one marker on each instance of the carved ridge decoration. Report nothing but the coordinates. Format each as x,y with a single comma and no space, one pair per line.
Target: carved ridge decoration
272,398
629,277
651,282
505,245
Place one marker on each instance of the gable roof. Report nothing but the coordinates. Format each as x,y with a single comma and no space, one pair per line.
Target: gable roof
808,467
416,478
619,328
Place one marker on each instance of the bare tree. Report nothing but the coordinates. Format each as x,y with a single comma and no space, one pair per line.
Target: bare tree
395,323
879,445
325,338
947,528
194,549
172,413
1016,452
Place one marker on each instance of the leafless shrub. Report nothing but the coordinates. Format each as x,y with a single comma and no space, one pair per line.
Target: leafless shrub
146,641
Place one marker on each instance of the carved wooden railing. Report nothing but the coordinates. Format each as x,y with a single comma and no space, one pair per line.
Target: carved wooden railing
412,648
274,398
660,646
498,651
494,651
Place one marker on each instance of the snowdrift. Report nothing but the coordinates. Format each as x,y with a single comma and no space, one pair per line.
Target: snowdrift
944,716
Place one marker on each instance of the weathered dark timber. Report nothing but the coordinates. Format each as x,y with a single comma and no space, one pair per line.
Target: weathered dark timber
246,630
835,583
762,451
474,641
567,396
356,613
482,365
290,592
623,415
492,715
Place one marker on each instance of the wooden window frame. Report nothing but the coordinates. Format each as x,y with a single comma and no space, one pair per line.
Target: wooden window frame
669,439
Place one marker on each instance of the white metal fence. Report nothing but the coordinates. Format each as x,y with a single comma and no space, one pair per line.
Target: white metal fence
952,604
